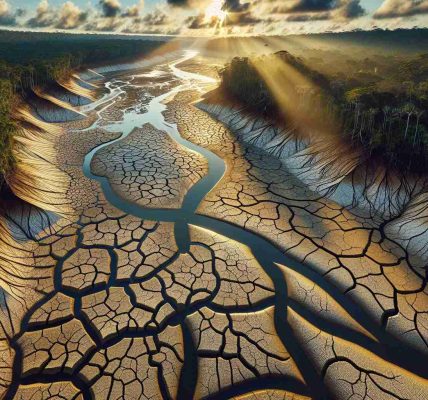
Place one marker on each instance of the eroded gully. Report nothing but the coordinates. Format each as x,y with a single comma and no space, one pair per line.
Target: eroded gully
264,251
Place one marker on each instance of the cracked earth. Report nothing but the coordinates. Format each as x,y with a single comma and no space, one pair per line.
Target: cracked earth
270,291
140,173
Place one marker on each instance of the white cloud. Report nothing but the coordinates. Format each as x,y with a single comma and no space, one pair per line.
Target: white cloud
4,8
70,16
401,8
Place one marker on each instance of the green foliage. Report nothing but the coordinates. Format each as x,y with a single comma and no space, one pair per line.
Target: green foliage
242,81
377,103
7,128
30,59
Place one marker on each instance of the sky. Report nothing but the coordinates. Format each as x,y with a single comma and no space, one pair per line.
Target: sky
212,17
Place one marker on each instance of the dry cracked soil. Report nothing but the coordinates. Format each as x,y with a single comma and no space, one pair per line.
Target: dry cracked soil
266,291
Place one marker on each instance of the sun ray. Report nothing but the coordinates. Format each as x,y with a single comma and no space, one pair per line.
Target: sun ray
215,11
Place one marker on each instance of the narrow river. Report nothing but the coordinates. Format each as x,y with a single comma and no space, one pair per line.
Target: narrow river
154,116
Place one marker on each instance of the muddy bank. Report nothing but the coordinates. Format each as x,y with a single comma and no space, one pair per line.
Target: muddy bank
326,166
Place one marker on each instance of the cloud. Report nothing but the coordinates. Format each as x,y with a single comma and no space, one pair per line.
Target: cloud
239,14
70,16
306,17
348,8
134,11
43,7
235,6
178,3
44,16
198,22
157,21
312,10
104,24
111,8
401,8
243,16
6,17
156,17
4,7
304,6
20,12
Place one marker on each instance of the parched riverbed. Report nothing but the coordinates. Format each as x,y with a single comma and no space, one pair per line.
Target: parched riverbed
193,265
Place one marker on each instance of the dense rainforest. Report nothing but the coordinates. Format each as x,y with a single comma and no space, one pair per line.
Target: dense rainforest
37,59
375,101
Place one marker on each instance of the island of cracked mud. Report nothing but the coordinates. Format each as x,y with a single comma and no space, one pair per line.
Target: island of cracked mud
190,262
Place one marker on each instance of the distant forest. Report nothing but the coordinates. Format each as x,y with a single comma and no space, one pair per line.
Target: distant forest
374,99
400,41
28,59
37,59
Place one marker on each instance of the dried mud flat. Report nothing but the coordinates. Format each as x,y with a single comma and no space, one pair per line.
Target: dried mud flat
147,176
274,293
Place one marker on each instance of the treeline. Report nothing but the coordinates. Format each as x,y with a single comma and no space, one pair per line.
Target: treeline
378,103
28,62
31,59
7,129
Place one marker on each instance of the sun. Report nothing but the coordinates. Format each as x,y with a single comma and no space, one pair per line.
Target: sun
215,10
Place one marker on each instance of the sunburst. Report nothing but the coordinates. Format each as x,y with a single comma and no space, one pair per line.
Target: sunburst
215,11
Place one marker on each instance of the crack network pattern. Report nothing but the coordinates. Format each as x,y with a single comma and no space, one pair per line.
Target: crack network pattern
140,173
348,247
116,307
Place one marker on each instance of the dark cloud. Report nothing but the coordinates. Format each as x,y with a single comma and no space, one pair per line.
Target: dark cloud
200,22
242,18
20,12
111,8
309,5
401,8
7,18
235,6
351,9
314,10
239,13
178,3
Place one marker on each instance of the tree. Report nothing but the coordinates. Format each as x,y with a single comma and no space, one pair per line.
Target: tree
408,109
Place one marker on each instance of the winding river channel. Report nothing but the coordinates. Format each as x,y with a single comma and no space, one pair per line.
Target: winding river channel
266,253
154,115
